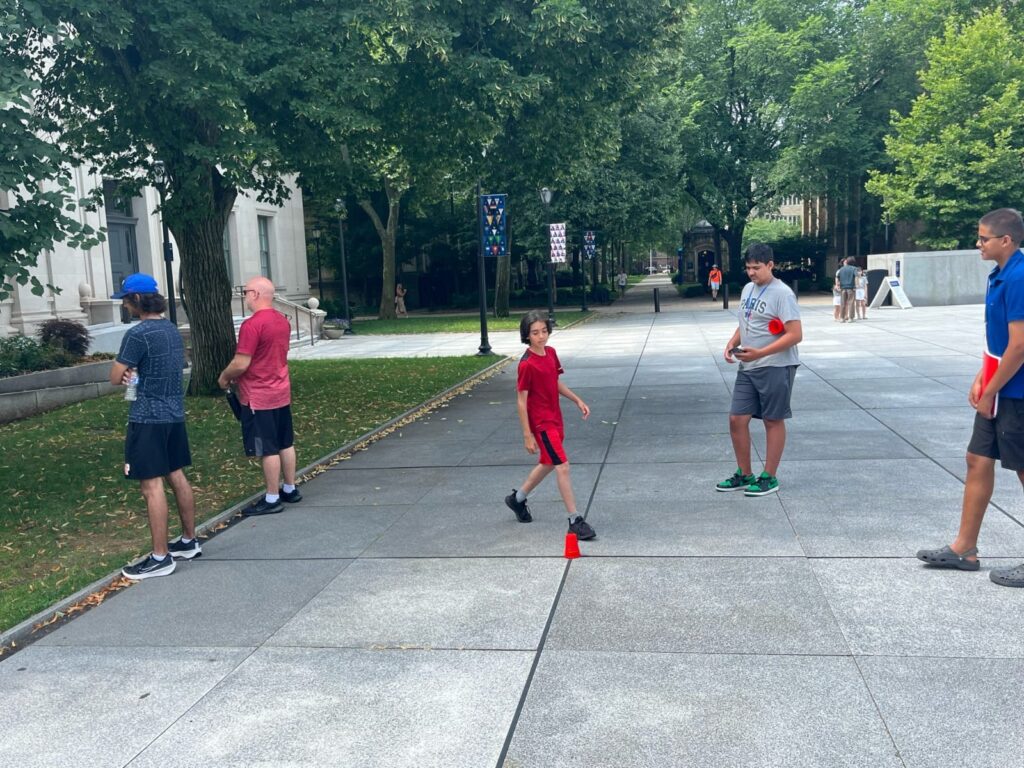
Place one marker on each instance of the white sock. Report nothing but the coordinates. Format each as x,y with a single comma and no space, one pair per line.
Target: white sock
520,497
159,558
186,541
271,498
287,488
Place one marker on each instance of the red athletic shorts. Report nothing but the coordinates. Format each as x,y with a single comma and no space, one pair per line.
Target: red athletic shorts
549,442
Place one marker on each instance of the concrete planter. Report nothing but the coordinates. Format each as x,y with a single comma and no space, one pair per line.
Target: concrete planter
59,377
32,393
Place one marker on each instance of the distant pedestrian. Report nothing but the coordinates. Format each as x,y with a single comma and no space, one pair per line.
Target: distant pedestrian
846,279
765,343
997,395
400,300
861,294
540,415
837,302
714,281
622,280
150,363
260,368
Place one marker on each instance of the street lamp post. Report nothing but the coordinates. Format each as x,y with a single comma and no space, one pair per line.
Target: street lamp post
339,207
545,197
583,279
160,171
319,274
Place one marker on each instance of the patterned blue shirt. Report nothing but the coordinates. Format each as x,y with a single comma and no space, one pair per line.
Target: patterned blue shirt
155,350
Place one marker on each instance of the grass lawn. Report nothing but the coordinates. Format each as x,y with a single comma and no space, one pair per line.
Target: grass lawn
68,517
457,323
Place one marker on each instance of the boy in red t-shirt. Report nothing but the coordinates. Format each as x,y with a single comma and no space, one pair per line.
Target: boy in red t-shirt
540,415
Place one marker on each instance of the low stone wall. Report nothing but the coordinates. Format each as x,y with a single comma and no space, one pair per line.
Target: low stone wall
32,393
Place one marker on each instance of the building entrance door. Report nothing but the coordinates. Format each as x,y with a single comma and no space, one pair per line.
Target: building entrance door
705,260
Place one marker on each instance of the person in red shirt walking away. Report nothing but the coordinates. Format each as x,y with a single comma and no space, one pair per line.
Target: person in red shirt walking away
260,369
538,388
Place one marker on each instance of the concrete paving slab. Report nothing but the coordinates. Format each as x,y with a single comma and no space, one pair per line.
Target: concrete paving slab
727,526
897,393
99,707
353,708
483,603
695,605
589,450
484,530
950,711
656,710
669,481
395,452
905,608
638,448
481,485
344,487
304,533
894,479
841,445
938,432
232,604
861,527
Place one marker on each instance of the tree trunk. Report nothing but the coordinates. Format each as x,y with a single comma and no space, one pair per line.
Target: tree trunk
734,238
198,227
501,286
388,234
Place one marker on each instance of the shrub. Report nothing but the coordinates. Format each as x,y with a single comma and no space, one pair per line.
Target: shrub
20,354
66,334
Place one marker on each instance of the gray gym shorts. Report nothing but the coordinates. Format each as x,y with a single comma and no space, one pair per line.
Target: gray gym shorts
764,393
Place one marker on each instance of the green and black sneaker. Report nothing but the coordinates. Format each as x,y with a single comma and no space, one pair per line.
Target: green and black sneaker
762,485
737,482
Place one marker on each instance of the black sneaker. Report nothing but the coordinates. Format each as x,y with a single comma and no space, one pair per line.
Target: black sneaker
763,485
149,568
519,507
290,498
183,551
263,507
735,482
582,529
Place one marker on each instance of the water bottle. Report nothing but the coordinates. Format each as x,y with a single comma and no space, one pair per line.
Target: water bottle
131,392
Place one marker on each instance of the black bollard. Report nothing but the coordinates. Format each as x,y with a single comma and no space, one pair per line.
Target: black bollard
657,301
725,295
796,289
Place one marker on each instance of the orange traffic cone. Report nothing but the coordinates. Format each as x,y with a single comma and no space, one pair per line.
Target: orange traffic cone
572,546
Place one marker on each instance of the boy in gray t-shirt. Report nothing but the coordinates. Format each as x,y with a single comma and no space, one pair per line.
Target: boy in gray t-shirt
764,343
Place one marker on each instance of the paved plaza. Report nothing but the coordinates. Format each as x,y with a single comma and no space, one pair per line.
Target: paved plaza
400,617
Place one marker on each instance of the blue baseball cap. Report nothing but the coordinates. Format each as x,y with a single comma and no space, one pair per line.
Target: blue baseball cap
140,282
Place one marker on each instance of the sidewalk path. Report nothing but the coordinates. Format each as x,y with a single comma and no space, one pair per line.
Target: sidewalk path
399,616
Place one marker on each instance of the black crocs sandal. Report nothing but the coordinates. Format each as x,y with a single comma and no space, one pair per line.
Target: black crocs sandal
947,558
1008,577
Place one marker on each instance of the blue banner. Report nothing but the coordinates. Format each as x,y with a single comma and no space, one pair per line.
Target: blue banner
493,229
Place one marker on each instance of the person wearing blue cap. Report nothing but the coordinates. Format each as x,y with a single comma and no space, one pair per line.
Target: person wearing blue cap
151,360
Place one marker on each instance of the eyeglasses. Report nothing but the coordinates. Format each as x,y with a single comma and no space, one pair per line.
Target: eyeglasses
247,291
984,239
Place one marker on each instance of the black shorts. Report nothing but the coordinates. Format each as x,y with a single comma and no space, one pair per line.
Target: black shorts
155,450
1002,437
764,393
265,433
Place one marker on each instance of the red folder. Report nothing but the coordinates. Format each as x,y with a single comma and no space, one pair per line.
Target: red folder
989,365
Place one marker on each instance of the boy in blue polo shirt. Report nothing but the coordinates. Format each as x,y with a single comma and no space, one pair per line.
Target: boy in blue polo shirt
1000,234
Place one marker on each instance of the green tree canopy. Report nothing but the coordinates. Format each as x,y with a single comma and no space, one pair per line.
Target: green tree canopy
35,172
960,150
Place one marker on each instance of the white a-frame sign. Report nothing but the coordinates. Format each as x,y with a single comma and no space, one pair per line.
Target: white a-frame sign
895,287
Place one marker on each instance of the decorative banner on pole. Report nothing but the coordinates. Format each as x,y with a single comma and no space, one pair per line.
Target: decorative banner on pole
493,232
590,243
557,243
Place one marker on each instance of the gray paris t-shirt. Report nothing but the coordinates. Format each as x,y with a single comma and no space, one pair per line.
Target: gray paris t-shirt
759,305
